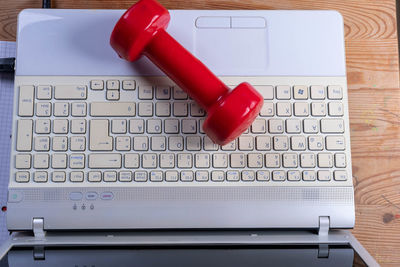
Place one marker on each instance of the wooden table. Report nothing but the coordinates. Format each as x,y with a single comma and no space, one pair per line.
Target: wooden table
373,80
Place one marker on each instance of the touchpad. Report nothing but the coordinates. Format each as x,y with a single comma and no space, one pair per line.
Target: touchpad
228,51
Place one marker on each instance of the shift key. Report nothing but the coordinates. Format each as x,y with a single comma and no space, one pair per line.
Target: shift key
65,92
26,98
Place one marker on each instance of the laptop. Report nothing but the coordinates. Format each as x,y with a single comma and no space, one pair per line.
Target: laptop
112,153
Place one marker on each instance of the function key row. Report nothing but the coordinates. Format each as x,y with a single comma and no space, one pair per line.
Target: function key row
183,176
300,92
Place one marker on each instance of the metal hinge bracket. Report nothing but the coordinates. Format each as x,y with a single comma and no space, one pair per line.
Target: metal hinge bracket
38,228
324,224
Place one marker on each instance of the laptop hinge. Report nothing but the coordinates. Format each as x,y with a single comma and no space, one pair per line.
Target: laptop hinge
324,224
38,228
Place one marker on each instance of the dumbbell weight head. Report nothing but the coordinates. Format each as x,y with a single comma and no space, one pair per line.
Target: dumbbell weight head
131,36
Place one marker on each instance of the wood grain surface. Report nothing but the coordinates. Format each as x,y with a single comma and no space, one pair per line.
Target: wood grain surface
374,96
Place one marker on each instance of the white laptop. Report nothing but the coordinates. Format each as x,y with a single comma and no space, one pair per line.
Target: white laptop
105,150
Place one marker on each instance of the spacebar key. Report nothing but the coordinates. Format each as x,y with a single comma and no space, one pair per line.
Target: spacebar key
116,109
104,160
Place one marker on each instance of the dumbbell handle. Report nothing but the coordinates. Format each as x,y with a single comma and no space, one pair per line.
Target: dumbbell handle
185,69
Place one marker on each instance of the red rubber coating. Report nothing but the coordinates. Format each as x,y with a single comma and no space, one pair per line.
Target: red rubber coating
141,30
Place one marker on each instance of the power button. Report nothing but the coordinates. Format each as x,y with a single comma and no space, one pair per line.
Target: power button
15,196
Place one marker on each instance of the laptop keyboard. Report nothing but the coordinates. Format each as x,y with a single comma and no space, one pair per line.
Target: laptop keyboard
132,132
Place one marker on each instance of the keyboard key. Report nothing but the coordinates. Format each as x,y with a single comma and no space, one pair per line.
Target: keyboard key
61,109
171,176
278,176
167,160
289,160
70,92
217,176
298,143
26,100
189,126
237,160
315,142
158,143
156,176
175,143
255,160
163,92
281,143
301,109
60,126
335,142
307,160
193,143
60,143
185,160
59,161
180,109
309,175
332,126
186,176
324,175
145,92
23,161
335,92
78,126
272,160
300,92
232,176
263,143
325,160
125,176
94,176
58,177
42,126
110,176
97,85
171,126
163,109
145,109
258,126
112,95
99,140
129,85
77,161
179,94
136,126
310,126
131,161
196,110
76,177
140,176
104,160
267,91
118,126
318,109
209,145
78,109
123,143
246,143
317,92
267,110
78,143
283,92
22,177
275,126
340,160
202,176
24,135
335,109
293,126
42,143
263,176
149,160
44,92
293,176
140,143
40,161
340,175
112,85
283,109
248,176
43,109
153,126
112,109
220,160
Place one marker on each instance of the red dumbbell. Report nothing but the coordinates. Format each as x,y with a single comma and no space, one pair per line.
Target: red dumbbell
141,30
